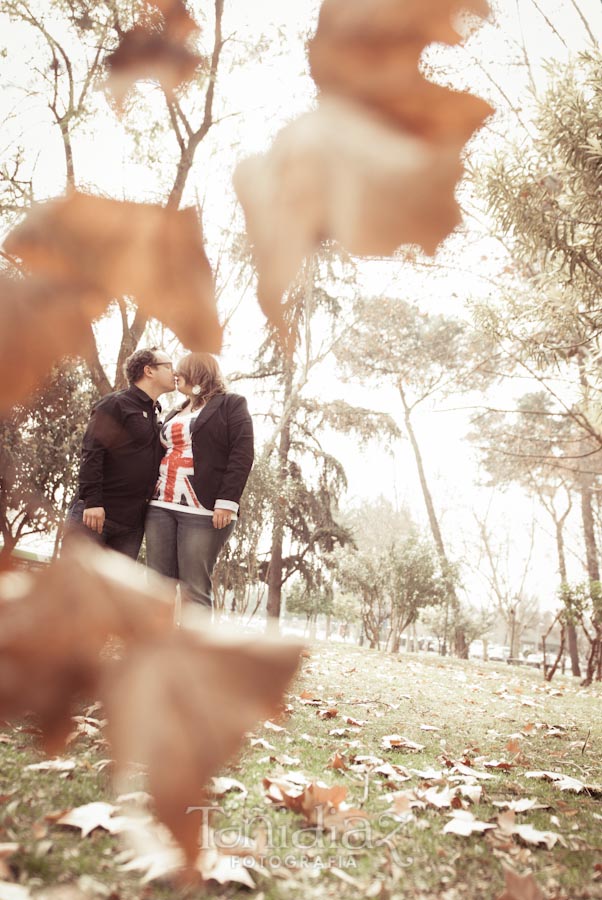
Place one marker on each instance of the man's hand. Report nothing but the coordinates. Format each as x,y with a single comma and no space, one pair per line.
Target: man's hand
94,518
222,517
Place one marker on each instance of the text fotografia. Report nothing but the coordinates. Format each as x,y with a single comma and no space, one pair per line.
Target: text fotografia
290,861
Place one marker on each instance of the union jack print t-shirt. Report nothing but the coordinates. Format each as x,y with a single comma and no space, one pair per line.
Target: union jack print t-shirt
174,488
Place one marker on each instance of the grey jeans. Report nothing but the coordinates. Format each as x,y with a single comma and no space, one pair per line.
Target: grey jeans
123,538
185,546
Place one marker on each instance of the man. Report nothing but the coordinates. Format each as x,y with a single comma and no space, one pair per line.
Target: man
121,452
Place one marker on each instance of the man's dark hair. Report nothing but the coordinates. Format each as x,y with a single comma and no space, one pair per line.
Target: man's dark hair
133,367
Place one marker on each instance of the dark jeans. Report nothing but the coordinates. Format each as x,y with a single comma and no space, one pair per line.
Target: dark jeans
123,538
185,546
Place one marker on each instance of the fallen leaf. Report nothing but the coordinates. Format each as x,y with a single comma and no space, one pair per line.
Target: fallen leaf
392,772
91,816
158,857
498,764
523,805
398,742
520,887
261,743
285,760
219,787
191,698
564,782
527,833
330,713
12,891
337,761
7,850
52,765
464,823
444,798
271,726
309,697
469,771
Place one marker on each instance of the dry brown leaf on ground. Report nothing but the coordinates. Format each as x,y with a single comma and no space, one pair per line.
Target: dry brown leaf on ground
338,761
155,48
272,726
219,787
369,53
54,625
286,790
181,706
94,815
464,823
566,782
527,833
393,773
40,323
399,742
329,712
11,891
117,248
158,857
320,805
342,174
518,806
520,887
7,850
325,807
53,765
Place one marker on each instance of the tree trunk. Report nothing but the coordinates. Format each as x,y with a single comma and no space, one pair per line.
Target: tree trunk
587,515
274,577
571,631
433,521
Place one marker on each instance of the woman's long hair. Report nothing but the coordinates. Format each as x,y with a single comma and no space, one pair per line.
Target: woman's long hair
202,370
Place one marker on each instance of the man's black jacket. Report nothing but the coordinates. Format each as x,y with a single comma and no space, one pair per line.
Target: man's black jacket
121,452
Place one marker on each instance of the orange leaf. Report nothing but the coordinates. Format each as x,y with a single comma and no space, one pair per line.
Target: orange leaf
114,248
520,887
338,761
180,707
155,48
369,53
329,713
52,320
341,174
376,164
54,625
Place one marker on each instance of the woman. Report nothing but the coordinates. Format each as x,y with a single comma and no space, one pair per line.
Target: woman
208,445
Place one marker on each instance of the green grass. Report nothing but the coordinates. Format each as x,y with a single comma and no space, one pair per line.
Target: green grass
475,707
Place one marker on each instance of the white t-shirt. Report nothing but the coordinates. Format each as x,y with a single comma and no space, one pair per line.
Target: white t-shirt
174,488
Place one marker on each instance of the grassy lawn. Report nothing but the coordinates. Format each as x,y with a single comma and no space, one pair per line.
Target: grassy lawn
468,716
